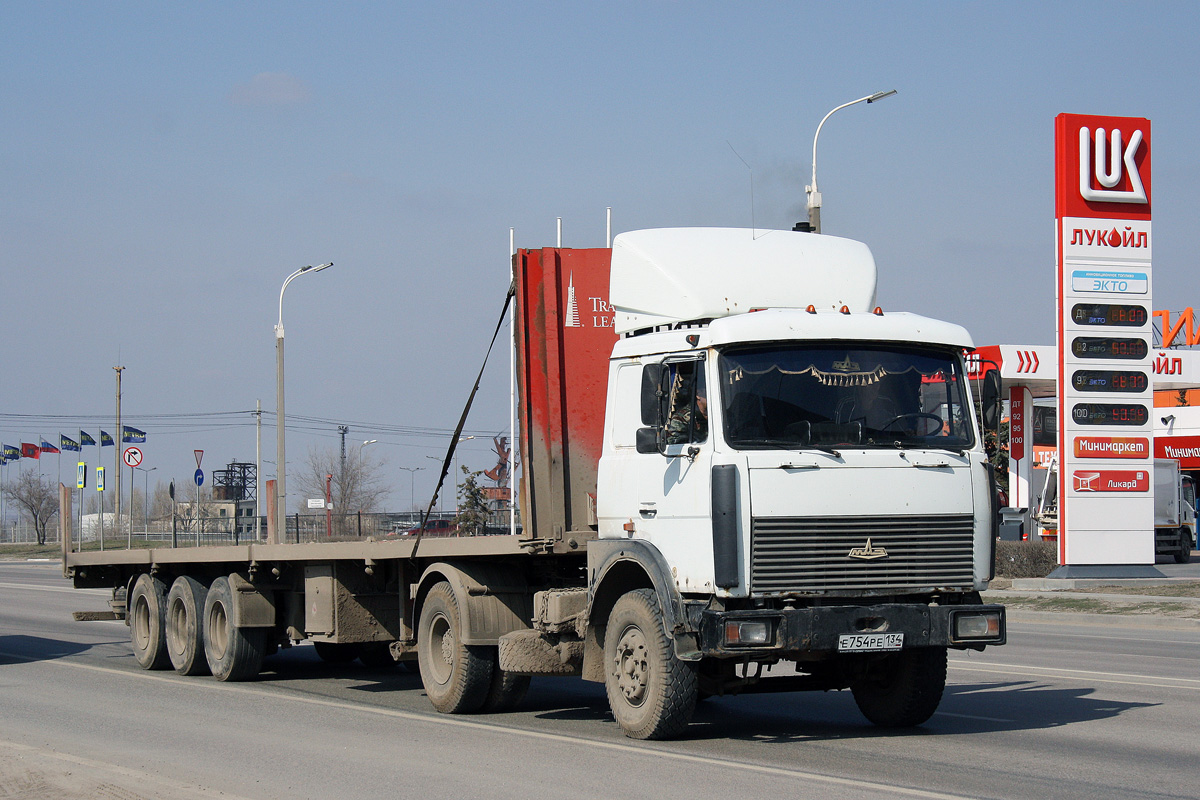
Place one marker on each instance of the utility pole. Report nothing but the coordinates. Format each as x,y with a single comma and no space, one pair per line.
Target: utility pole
343,430
117,461
257,469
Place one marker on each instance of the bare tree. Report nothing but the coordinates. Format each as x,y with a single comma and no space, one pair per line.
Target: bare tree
37,499
358,486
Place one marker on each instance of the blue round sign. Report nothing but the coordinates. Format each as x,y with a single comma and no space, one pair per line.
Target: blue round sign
199,477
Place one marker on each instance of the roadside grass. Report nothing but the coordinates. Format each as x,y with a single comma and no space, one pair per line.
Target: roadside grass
1189,589
24,551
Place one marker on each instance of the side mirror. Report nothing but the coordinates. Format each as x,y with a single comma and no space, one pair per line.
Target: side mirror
652,400
647,440
991,399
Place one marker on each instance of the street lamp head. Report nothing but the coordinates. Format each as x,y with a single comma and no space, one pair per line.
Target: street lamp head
880,95
330,264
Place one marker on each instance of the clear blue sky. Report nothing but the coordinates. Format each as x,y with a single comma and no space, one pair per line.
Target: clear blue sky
164,166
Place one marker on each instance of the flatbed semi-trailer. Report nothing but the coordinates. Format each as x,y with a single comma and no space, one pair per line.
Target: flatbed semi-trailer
739,474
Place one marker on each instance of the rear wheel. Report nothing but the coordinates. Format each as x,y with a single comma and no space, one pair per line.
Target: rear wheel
234,654
651,692
185,626
506,691
457,677
903,689
148,622
1184,554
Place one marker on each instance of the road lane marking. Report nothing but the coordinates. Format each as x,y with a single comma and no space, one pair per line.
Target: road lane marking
971,716
647,750
1084,675
72,590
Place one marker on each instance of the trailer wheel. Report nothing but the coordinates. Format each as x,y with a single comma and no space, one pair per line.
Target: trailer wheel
185,626
234,654
903,689
148,622
336,652
457,677
651,692
507,689
1184,554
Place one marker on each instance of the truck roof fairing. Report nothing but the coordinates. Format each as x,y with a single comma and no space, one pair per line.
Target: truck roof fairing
669,275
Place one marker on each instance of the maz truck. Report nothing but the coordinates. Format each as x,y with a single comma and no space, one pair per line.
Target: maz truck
739,475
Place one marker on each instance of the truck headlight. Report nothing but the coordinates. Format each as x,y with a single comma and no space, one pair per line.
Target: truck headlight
747,632
978,625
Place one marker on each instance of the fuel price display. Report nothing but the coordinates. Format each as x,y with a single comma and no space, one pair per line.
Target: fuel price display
1109,314
1109,380
1110,414
1106,347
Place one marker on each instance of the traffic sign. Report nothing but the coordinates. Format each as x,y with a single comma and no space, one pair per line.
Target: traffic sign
132,456
99,479
199,477
199,455
81,475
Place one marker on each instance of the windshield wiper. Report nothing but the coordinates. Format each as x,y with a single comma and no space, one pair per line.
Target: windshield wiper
786,444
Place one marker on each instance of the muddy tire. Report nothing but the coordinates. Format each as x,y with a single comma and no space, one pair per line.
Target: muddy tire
234,654
1184,554
185,626
336,652
651,692
148,622
506,692
457,677
904,689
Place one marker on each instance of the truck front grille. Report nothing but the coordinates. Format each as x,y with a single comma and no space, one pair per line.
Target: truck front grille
810,554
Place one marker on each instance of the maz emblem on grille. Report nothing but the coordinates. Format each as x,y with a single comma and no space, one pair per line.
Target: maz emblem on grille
868,553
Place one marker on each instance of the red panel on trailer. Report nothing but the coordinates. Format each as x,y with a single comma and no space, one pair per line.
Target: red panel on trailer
566,337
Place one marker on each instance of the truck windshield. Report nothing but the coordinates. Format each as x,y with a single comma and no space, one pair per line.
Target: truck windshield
852,396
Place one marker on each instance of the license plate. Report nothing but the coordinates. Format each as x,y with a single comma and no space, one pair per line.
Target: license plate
870,642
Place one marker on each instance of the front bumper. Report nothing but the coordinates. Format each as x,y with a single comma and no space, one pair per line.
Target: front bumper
794,631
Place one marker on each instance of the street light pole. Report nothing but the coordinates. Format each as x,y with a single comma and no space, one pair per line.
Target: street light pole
146,498
814,196
412,492
281,487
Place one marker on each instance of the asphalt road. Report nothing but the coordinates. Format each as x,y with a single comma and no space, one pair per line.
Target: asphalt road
1069,709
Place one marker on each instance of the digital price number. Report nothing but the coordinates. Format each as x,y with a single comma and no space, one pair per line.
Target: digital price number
1102,347
1110,414
1124,316
1109,380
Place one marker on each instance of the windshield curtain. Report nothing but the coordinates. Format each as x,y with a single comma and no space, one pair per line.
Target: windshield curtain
854,395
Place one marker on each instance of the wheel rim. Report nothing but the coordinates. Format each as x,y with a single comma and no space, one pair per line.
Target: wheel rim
141,623
442,646
176,624
631,665
218,632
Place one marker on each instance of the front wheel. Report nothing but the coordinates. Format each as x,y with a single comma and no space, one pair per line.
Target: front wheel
1184,554
651,692
903,689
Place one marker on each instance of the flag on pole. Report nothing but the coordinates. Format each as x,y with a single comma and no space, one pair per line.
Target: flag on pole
68,444
12,452
106,440
85,438
132,435
47,447
29,450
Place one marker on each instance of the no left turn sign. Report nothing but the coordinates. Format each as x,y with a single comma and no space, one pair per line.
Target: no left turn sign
132,456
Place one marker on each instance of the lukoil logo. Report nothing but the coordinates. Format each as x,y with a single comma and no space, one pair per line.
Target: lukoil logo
1109,175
